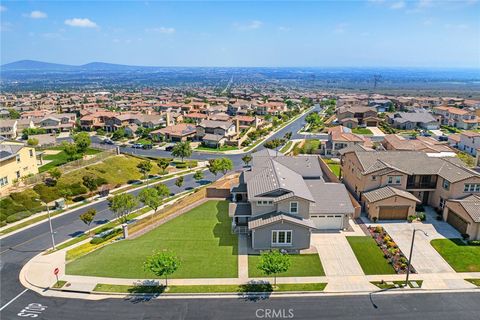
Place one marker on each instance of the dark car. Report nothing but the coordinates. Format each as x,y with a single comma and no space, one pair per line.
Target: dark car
443,138
169,148
147,146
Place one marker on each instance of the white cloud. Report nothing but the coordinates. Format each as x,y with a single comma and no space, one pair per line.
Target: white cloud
3,8
37,15
340,28
252,25
397,5
163,30
424,3
81,23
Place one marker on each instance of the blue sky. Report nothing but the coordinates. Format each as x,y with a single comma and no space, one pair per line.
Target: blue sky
425,33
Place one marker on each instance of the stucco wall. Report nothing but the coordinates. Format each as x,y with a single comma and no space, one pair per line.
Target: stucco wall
373,208
473,229
262,237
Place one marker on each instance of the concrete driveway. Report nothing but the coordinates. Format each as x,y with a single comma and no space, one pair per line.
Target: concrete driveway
425,258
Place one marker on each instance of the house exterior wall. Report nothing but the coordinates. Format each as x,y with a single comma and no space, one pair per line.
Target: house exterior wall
456,191
473,228
303,206
262,237
261,209
11,168
374,208
469,144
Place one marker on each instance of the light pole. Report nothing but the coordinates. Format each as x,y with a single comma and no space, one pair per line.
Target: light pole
410,255
50,223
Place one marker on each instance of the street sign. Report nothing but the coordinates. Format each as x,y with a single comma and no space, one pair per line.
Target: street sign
56,271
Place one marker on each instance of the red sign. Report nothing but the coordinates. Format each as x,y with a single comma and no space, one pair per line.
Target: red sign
56,271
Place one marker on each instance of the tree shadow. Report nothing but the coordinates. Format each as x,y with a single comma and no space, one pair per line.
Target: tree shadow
143,291
99,222
75,234
256,290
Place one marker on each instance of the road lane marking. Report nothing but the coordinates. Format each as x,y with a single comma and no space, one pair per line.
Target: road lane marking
18,296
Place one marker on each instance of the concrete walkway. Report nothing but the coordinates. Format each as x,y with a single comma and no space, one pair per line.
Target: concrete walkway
376,131
243,257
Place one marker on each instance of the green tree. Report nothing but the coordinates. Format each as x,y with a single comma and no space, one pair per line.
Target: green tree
163,164
162,264
182,150
32,142
198,175
70,150
163,190
88,217
119,134
55,173
247,159
145,167
274,262
220,165
150,198
82,141
179,182
122,205
13,114
90,182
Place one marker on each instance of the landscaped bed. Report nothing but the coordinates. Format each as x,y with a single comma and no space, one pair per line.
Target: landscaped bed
370,256
362,131
210,288
334,166
201,238
397,284
474,281
302,265
462,257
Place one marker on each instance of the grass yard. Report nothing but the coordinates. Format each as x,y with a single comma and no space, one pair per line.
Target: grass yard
302,265
286,147
201,238
361,131
222,148
462,257
61,158
474,281
369,256
334,166
111,288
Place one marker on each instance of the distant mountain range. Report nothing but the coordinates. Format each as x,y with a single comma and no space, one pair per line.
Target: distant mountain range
33,65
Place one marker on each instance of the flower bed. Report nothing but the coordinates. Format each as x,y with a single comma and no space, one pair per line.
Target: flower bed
390,250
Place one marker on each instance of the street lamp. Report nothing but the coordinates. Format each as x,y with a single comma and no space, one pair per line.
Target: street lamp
411,250
49,222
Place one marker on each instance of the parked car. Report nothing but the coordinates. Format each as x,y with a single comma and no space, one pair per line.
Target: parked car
108,141
169,148
137,146
147,146
443,138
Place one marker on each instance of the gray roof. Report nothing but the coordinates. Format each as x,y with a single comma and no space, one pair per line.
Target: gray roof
8,151
329,198
471,204
216,124
276,217
423,117
388,192
306,166
213,137
239,209
415,163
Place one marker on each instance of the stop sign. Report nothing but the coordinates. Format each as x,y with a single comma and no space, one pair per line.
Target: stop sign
56,271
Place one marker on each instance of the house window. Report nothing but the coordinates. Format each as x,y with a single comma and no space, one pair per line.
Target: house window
18,158
18,174
31,153
281,237
374,178
263,203
394,180
3,181
446,184
293,207
471,187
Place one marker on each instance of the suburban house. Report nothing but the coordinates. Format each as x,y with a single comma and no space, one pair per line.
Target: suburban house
381,105
413,120
16,161
455,117
195,117
8,128
419,143
281,200
58,122
175,133
469,142
464,215
357,116
430,179
215,133
340,137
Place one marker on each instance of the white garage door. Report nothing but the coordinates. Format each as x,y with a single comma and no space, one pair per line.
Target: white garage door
328,221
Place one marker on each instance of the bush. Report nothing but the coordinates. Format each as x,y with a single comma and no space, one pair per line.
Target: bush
98,240
46,193
411,218
474,242
181,165
76,189
465,236
192,163
79,199
422,216
18,216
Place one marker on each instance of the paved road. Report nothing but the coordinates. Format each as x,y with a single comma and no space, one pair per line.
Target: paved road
18,248
459,306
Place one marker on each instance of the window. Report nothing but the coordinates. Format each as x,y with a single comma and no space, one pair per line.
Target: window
18,158
394,180
293,207
374,177
442,202
3,181
31,153
18,174
264,203
446,184
283,237
471,187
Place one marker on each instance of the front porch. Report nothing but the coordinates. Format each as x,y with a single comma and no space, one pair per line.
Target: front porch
240,212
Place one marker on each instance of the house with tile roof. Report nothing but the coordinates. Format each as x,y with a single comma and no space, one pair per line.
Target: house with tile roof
456,117
281,200
464,215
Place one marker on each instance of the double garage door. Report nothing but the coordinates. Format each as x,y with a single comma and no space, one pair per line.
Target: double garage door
392,213
457,222
328,222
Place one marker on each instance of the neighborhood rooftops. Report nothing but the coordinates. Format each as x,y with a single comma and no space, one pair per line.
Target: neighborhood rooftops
471,204
388,192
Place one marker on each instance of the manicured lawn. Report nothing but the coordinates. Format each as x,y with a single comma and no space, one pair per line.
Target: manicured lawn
334,166
369,256
462,257
61,158
222,148
201,238
474,281
286,147
361,131
302,265
210,288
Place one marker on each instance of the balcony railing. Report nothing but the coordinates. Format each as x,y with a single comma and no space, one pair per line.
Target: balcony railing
422,185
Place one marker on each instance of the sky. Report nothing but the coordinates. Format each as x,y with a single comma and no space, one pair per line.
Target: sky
370,33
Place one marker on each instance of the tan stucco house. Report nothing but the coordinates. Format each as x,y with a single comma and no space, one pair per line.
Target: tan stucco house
464,215
16,161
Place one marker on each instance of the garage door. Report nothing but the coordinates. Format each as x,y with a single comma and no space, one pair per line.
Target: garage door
325,222
371,123
393,213
457,222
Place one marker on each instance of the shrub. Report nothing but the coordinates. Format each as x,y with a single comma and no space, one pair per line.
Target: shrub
375,219
192,163
18,216
76,189
465,236
181,165
422,216
46,193
98,240
387,238
411,218
78,198
474,242
378,229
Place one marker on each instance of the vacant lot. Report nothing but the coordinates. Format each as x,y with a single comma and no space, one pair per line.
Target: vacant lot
302,265
462,257
370,256
201,238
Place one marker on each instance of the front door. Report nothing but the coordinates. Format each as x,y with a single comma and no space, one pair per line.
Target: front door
426,196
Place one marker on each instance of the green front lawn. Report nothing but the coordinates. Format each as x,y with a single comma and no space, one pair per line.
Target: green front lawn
222,148
210,288
361,131
302,265
61,158
369,256
201,238
462,257
334,166
474,281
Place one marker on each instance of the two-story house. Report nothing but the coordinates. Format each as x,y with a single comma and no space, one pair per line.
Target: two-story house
58,122
353,116
455,117
215,133
340,137
469,142
16,161
281,200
